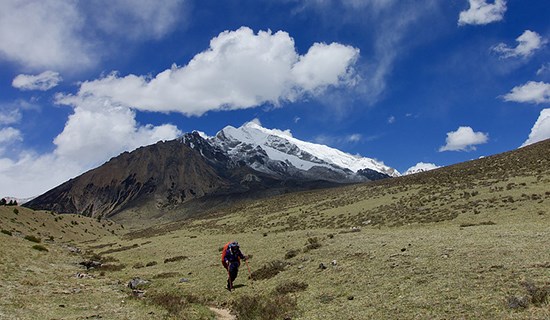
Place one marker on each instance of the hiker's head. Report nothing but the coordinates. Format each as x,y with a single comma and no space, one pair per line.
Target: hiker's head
234,246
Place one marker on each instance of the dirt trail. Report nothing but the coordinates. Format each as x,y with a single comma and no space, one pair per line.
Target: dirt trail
222,314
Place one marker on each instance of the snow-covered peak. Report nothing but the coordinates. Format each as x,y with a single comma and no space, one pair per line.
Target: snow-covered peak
420,167
281,145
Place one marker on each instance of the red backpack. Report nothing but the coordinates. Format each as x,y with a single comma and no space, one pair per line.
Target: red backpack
224,250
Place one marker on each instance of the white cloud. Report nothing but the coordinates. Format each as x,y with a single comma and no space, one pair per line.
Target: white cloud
544,69
541,128
421,167
135,19
481,12
43,34
95,132
10,135
239,70
528,42
464,139
531,92
391,119
74,35
356,137
98,130
31,175
43,82
9,116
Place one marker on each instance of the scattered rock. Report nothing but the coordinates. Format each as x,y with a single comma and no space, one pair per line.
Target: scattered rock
138,293
403,249
81,275
351,298
334,263
73,249
322,266
135,283
184,280
517,303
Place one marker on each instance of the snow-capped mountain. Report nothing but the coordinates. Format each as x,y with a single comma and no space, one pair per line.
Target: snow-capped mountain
420,167
196,172
277,152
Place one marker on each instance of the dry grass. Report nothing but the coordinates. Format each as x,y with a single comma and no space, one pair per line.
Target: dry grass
467,242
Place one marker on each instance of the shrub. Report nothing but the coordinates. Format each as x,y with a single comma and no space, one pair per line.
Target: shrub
6,232
291,287
16,211
538,295
138,265
33,239
291,253
174,259
151,263
269,307
40,247
269,270
165,275
175,303
312,243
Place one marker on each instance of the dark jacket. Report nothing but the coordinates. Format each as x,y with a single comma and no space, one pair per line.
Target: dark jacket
233,258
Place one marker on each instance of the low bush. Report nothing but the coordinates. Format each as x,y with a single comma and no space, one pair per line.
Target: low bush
269,270
267,307
174,259
175,303
312,243
291,253
33,239
291,287
6,232
40,247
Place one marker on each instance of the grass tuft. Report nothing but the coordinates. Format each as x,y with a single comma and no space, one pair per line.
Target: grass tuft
40,247
269,270
266,307
291,287
33,239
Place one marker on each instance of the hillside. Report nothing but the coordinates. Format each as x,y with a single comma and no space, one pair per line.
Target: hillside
466,241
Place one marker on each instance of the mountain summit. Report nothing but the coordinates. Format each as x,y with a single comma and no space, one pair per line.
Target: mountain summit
249,161
270,150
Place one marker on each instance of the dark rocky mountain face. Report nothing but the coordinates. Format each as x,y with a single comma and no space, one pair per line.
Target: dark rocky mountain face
166,173
170,175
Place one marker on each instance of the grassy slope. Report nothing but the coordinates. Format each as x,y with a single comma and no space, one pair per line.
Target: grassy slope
452,243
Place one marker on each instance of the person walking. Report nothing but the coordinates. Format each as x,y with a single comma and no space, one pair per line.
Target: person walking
231,260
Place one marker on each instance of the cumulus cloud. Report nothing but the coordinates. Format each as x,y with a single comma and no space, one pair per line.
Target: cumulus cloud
43,34
95,132
464,139
531,92
67,35
239,70
421,167
528,42
541,128
43,82
481,12
10,135
98,130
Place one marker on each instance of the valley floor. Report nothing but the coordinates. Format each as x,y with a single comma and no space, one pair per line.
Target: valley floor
469,268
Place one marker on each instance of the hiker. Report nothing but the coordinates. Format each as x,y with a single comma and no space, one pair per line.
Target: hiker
231,260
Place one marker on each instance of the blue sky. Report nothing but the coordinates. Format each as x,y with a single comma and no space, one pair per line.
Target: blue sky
404,82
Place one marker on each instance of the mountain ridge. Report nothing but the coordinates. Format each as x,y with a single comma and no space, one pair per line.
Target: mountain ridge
250,161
